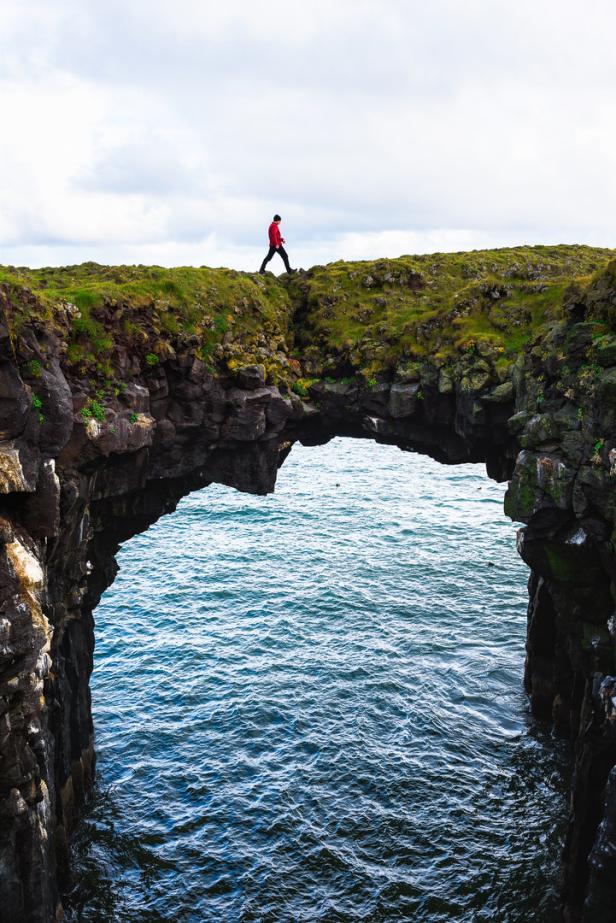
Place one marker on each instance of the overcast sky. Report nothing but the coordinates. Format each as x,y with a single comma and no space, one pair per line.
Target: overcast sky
169,131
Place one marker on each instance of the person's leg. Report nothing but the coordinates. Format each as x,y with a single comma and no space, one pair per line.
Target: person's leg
270,254
285,258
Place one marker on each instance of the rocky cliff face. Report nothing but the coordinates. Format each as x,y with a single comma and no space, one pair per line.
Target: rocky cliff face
121,391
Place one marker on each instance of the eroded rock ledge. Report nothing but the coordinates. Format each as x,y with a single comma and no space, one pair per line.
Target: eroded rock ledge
111,411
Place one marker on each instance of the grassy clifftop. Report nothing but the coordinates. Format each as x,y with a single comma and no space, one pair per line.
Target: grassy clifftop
147,311
368,317
441,305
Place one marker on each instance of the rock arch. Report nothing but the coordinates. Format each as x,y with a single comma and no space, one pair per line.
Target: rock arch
77,484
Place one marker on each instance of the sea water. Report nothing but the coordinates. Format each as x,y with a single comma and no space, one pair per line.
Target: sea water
308,707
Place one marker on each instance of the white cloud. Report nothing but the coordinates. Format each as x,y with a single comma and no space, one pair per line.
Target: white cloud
170,132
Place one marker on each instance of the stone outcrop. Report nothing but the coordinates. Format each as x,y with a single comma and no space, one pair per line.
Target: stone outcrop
82,469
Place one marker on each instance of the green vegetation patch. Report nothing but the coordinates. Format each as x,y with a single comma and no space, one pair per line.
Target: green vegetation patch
302,386
365,317
93,410
488,302
148,311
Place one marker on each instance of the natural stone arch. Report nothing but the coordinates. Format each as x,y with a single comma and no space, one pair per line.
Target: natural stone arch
77,483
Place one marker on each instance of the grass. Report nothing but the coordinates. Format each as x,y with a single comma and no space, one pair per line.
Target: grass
145,309
441,305
369,316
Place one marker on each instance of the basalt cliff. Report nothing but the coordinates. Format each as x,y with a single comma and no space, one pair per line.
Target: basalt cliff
124,388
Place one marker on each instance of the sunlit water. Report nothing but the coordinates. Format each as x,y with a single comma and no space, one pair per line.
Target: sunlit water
308,707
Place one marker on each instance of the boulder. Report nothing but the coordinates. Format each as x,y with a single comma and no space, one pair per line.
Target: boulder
15,402
403,399
246,420
501,394
251,377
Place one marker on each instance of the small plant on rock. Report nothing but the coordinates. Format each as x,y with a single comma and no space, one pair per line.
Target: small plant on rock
36,402
93,411
587,376
34,368
152,359
133,418
596,456
302,386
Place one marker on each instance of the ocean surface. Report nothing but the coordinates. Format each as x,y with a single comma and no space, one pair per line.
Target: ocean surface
308,707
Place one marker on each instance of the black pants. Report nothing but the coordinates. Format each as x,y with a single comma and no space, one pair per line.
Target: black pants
283,253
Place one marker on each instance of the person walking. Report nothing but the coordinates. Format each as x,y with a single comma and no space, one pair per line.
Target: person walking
276,242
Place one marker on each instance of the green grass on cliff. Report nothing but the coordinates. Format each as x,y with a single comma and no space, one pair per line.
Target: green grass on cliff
374,315
442,305
149,309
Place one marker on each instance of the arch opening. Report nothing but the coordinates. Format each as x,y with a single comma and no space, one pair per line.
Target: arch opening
323,713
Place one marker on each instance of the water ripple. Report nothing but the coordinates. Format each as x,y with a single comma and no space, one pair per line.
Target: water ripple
308,708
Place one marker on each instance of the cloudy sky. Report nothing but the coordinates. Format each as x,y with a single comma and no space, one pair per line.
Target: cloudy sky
169,131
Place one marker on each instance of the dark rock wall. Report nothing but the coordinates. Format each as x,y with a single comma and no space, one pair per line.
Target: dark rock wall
74,489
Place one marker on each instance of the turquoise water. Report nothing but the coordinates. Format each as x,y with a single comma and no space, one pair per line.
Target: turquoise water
308,707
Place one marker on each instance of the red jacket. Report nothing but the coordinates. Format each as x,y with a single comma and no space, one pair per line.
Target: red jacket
274,235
